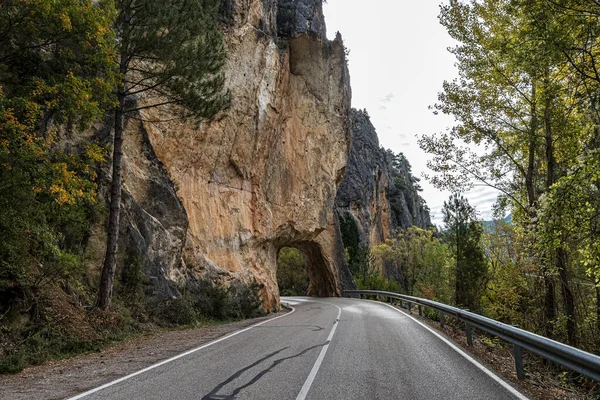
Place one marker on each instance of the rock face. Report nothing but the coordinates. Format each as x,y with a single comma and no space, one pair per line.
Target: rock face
301,16
378,193
222,199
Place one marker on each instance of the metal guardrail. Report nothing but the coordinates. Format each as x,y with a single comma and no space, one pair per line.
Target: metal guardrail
570,357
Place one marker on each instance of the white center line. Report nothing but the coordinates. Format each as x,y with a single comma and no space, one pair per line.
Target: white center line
315,368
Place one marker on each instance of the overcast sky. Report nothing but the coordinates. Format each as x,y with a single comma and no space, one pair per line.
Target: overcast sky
398,62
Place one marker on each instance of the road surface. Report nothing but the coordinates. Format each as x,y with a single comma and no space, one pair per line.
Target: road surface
324,349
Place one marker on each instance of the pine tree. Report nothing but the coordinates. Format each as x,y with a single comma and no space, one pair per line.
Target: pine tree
170,53
463,234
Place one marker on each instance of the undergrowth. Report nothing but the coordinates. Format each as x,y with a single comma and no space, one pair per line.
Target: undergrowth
56,324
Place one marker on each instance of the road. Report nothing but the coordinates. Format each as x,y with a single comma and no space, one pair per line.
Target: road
324,349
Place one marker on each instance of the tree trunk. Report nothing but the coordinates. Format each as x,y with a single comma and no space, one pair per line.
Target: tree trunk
567,294
598,306
458,284
529,184
560,255
549,306
549,298
110,259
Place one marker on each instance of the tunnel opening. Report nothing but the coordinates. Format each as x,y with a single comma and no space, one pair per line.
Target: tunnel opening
303,270
292,273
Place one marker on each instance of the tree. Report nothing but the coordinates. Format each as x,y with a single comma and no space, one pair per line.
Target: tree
569,213
518,119
421,262
506,289
55,74
463,234
292,274
169,54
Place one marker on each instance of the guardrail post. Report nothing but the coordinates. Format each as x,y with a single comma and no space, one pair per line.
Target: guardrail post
469,334
409,307
442,319
420,311
519,361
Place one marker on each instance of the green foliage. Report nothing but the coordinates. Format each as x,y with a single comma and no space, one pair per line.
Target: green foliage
367,275
292,275
420,262
363,262
463,235
55,71
350,235
56,60
172,52
210,301
506,290
376,281
527,110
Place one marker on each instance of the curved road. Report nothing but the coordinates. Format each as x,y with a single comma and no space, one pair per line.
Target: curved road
325,349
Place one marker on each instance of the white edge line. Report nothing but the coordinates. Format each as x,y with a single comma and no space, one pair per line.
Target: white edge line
492,375
79,396
315,369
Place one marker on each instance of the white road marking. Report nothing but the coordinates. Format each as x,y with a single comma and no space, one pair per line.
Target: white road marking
315,369
492,375
79,396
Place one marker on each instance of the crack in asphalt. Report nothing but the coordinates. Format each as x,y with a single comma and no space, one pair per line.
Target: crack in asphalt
317,327
213,395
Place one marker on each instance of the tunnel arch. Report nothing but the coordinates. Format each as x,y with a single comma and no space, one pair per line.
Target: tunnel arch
321,276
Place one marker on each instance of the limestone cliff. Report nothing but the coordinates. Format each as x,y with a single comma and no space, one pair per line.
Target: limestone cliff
378,193
221,199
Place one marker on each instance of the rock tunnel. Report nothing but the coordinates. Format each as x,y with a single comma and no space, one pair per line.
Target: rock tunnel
322,281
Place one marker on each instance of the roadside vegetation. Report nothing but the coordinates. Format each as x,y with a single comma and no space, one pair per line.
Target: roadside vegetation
292,274
527,106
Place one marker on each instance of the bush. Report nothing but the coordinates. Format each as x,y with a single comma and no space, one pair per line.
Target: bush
206,300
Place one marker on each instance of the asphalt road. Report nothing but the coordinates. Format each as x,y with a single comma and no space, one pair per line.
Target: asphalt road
325,349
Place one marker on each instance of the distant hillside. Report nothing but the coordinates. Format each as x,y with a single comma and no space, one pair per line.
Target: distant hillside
489,225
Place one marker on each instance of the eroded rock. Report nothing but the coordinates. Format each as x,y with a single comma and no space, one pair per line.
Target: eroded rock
221,200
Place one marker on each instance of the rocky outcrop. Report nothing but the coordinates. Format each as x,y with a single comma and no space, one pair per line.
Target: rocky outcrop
222,199
378,193
301,16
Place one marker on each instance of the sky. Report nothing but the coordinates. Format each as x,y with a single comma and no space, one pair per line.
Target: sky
398,61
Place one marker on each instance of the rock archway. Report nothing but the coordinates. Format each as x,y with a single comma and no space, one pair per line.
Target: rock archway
305,272
262,176
323,282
